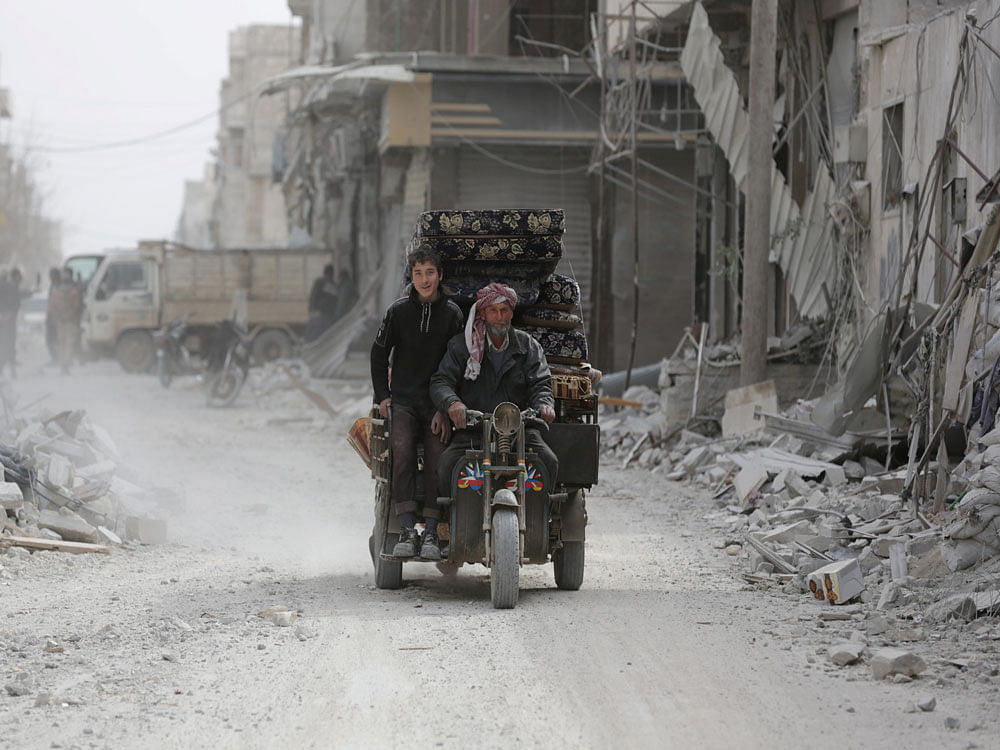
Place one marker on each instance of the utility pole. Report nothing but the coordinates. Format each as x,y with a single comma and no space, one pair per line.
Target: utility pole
763,41
633,138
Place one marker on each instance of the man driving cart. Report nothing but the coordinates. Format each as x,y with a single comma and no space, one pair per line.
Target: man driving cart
490,363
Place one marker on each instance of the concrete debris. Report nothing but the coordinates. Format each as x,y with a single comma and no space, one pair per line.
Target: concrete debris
843,654
830,518
65,486
896,661
280,616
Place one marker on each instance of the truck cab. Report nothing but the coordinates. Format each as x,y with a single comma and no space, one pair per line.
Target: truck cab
121,307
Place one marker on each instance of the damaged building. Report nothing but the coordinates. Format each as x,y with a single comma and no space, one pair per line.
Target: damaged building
236,203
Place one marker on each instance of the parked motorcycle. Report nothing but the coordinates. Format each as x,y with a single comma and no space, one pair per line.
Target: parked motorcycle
227,364
173,356
221,362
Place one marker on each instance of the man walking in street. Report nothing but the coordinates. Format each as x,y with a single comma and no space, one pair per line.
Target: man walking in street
413,337
64,310
492,362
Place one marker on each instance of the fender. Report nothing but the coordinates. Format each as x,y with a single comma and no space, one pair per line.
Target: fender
574,517
504,498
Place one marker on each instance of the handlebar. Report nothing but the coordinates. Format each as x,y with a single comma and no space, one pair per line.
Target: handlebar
529,416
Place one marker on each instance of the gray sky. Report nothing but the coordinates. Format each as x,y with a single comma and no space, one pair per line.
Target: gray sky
82,74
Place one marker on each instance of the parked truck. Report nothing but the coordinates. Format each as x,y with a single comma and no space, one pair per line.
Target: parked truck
135,292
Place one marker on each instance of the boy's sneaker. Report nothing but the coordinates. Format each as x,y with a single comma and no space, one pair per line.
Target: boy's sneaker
407,544
429,550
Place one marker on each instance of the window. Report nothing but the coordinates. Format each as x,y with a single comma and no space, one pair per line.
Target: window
123,277
892,156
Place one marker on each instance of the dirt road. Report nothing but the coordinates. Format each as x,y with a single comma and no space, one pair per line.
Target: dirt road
162,646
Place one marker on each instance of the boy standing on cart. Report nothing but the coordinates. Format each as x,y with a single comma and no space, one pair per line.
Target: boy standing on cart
414,336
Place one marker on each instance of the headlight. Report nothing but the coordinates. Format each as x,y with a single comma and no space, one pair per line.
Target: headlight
506,418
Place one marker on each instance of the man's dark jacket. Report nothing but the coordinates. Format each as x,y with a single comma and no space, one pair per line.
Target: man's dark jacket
416,334
524,378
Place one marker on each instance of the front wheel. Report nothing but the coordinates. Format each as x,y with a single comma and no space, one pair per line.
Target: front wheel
506,568
567,564
224,387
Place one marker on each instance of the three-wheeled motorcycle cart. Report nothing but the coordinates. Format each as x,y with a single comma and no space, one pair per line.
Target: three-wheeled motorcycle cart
504,510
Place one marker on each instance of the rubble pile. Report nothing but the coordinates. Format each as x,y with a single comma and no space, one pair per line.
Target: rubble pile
65,488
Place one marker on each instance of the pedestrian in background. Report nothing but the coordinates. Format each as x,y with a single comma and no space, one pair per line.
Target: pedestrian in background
64,309
10,303
322,305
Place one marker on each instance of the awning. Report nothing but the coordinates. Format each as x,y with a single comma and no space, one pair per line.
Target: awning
387,73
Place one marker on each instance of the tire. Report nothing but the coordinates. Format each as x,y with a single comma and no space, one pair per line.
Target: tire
164,369
271,344
567,564
225,386
506,570
388,573
135,352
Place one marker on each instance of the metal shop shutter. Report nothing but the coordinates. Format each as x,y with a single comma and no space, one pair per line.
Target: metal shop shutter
499,180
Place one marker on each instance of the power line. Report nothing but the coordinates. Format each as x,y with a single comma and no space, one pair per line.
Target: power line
146,138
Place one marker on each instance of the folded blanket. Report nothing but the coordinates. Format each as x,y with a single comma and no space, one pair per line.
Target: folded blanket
545,317
559,293
501,222
564,347
510,249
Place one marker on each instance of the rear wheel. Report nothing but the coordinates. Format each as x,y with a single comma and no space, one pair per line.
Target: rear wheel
506,568
271,344
567,564
388,573
134,351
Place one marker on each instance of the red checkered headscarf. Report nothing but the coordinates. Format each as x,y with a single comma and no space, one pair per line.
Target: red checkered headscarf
475,326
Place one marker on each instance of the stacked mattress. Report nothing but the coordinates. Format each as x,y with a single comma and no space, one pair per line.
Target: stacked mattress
521,248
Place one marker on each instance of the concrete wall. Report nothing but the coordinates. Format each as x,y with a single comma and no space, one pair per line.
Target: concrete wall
917,69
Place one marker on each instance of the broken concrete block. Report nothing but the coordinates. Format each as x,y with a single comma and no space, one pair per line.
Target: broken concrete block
280,616
837,582
845,653
796,485
853,470
107,535
98,471
927,703
146,530
877,624
60,471
834,476
741,403
695,458
957,607
748,480
11,497
68,525
881,545
786,533
872,467
897,562
891,661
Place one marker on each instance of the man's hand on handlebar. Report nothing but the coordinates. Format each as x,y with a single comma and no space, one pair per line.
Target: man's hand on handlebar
457,414
547,413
